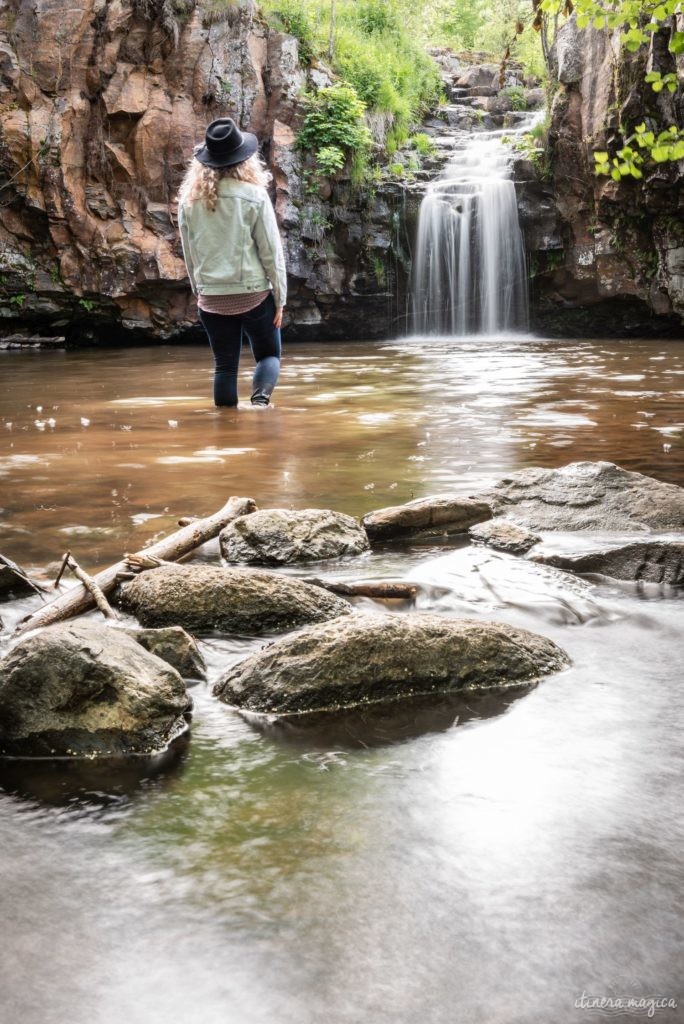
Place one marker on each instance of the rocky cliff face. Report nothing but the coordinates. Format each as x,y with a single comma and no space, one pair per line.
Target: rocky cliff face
101,103
607,257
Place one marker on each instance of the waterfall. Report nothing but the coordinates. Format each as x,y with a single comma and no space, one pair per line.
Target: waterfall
469,274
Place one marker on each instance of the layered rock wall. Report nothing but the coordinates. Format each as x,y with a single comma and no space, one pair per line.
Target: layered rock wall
101,103
606,257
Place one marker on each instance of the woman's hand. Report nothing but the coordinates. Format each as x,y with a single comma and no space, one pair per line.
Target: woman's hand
278,318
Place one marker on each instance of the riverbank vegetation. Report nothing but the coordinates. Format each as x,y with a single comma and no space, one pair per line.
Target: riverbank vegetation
378,49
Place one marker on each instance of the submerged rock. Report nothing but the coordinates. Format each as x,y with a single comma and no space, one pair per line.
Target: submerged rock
647,561
204,598
174,646
588,496
277,535
84,689
14,583
426,517
367,658
503,536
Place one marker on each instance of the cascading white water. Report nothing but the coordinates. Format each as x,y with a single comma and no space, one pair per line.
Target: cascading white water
469,273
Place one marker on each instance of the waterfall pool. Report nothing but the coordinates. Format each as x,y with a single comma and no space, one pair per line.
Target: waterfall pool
498,858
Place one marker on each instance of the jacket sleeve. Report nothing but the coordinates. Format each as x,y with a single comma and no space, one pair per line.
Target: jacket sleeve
267,239
185,242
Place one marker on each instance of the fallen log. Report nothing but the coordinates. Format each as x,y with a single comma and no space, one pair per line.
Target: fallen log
175,546
381,590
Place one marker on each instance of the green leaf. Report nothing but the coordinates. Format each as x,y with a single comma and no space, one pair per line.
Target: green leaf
657,86
660,154
640,128
600,157
615,174
653,76
677,42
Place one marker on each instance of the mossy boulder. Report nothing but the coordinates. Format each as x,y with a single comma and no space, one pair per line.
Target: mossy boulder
84,689
368,658
209,598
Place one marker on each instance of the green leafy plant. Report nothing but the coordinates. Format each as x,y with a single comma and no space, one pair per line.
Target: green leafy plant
87,304
334,128
330,160
639,147
422,143
516,95
18,300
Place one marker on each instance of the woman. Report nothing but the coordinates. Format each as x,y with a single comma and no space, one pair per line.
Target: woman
234,257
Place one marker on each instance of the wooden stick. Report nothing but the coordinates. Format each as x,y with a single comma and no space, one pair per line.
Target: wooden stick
62,569
142,561
181,542
90,585
381,590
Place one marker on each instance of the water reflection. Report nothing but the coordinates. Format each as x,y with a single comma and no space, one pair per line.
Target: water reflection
90,784
128,435
324,734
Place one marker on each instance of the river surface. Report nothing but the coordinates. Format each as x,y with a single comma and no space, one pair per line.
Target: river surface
481,860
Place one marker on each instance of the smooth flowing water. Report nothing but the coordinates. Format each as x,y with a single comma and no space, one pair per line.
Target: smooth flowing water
482,859
469,273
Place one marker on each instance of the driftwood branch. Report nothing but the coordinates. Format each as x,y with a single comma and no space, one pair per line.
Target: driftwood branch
175,546
62,569
91,586
382,590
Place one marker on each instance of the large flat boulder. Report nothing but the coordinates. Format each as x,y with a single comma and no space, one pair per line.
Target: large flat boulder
588,496
647,561
366,658
426,517
84,689
276,536
209,598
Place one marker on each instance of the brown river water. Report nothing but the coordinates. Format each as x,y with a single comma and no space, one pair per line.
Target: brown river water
486,860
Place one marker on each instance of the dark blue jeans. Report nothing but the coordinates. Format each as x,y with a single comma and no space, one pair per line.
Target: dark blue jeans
225,335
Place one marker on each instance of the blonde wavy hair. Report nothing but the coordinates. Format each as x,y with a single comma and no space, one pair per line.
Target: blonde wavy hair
201,182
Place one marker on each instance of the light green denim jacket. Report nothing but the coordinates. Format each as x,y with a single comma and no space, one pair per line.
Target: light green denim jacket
235,248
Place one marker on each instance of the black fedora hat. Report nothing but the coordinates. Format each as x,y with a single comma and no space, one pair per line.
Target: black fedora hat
225,145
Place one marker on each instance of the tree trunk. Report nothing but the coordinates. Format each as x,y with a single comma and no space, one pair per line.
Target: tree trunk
182,542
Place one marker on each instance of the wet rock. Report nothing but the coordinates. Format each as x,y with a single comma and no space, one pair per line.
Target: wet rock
477,76
276,536
174,646
14,583
476,578
588,496
646,561
207,598
426,517
83,689
363,659
504,536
